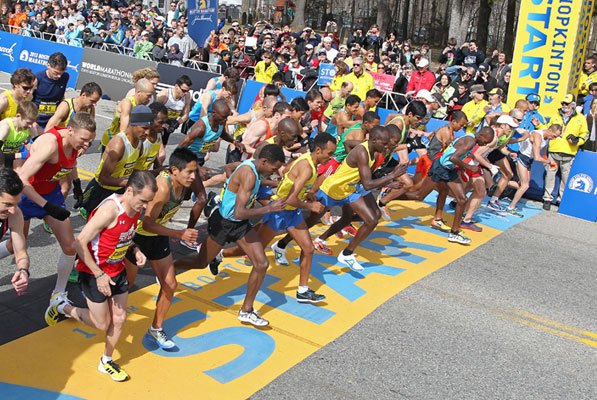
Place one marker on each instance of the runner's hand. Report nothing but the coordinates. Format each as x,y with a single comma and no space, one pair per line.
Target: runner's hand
140,258
190,235
19,281
55,211
400,170
277,205
77,193
395,185
316,207
103,284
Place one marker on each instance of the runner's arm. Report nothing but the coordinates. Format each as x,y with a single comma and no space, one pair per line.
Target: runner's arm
205,103
125,107
462,147
42,151
153,211
246,181
252,135
359,157
537,136
186,110
59,116
19,244
303,174
113,153
196,131
162,96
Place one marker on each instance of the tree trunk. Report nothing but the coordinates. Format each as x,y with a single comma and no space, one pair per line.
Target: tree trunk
299,16
405,15
510,29
483,23
384,15
460,18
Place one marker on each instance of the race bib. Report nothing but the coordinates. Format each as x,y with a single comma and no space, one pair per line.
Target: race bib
47,108
61,174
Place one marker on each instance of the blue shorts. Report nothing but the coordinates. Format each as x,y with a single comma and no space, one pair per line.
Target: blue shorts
282,220
329,202
32,210
265,192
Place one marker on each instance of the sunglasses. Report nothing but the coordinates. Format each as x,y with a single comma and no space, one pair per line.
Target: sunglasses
27,88
356,65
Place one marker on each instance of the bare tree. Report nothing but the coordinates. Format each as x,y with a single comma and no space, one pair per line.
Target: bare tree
299,16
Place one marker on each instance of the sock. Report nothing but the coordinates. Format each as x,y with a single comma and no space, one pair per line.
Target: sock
154,329
493,198
346,252
63,268
303,289
281,245
220,255
465,221
105,359
4,249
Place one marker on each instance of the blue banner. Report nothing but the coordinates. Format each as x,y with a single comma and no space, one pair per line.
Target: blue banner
34,54
10,47
326,74
203,18
580,197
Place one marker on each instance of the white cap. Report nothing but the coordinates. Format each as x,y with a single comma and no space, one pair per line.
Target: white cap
506,119
144,33
423,62
426,95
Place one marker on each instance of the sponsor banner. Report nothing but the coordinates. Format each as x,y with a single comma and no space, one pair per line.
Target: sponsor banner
383,82
10,48
326,74
203,18
113,72
580,197
34,54
549,50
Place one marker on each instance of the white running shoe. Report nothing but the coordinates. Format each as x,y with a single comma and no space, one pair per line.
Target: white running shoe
161,338
279,255
252,317
350,261
385,213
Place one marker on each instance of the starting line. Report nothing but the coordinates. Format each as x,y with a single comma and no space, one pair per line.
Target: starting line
217,356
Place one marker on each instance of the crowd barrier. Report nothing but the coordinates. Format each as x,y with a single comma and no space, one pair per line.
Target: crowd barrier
580,197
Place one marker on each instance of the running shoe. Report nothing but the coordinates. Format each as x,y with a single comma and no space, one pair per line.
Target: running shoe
321,247
211,204
110,367
458,238
279,255
385,213
440,225
252,317
452,204
214,265
247,261
74,276
514,212
190,245
83,213
382,193
52,315
161,338
350,230
328,219
47,228
496,206
547,205
470,226
351,261
309,297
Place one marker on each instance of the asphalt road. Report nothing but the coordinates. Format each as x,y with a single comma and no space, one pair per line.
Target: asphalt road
511,319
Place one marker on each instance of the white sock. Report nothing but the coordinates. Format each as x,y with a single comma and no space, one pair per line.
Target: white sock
63,268
4,249
105,359
303,289
154,329
60,308
493,198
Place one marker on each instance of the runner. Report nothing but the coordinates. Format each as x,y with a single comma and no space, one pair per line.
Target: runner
11,218
118,161
53,156
154,152
299,179
15,132
204,106
102,246
90,95
51,85
23,83
349,187
262,129
345,117
177,100
230,223
122,114
153,236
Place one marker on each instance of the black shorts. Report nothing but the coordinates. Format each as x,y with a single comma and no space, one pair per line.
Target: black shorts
154,247
94,194
525,161
495,156
224,231
88,285
439,173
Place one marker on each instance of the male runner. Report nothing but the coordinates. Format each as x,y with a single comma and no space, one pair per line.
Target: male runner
230,223
51,157
178,102
11,218
90,94
119,159
263,129
299,179
23,82
102,246
51,86
205,104
346,117
154,152
122,114
15,131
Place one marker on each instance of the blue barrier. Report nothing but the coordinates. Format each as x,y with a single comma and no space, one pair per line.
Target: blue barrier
580,197
251,91
34,54
10,48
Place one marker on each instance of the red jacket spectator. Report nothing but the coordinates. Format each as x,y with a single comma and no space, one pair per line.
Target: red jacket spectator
422,78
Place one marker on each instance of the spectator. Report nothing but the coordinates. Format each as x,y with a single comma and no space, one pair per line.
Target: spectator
444,88
114,36
4,18
500,69
448,54
39,25
73,36
330,52
483,77
588,75
17,18
175,56
407,55
307,56
362,81
184,42
422,78
370,64
143,48
159,50
25,29
357,38
321,59
128,43
563,149
588,99
475,109
373,41
591,144
505,85
265,69
172,14
469,55
95,25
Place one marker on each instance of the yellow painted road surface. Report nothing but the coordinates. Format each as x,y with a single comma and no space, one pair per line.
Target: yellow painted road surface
217,356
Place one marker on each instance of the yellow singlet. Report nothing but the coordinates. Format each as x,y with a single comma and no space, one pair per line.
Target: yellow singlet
286,183
115,125
341,183
11,109
150,153
125,166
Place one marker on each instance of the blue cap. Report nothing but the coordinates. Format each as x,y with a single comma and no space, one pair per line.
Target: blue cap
533,98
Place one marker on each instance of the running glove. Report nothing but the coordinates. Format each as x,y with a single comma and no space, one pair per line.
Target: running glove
56,211
77,193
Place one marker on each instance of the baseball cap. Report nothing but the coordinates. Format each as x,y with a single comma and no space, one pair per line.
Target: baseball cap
144,33
533,98
425,95
423,62
307,28
497,91
141,116
309,46
321,51
506,119
478,89
327,39
569,98
355,49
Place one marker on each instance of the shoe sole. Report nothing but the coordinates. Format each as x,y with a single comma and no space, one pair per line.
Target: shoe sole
252,323
352,266
161,346
309,301
103,371
460,242
51,321
437,228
